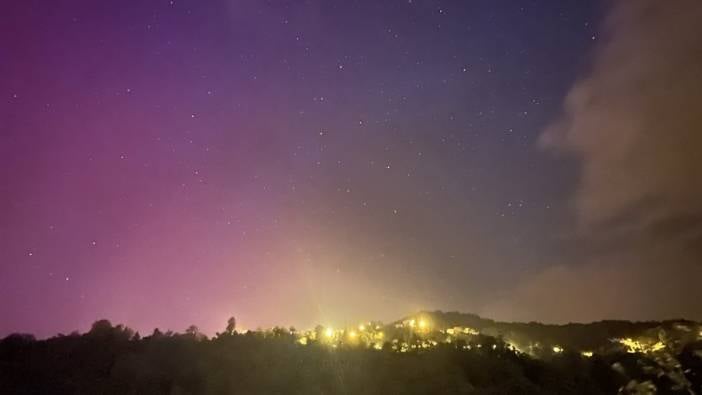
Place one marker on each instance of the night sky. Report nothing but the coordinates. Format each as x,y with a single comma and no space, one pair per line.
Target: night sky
167,163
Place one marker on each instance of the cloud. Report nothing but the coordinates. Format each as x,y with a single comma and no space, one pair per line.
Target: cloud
634,123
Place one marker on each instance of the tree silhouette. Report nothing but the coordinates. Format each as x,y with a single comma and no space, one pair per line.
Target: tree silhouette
231,326
112,359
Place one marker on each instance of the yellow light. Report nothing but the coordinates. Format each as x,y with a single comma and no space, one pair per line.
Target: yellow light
557,349
412,323
329,332
587,354
352,334
636,346
631,345
470,331
422,324
361,327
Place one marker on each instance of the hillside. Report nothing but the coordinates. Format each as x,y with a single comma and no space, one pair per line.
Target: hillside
600,335
427,353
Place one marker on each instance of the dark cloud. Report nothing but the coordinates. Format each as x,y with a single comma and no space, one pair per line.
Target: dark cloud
635,124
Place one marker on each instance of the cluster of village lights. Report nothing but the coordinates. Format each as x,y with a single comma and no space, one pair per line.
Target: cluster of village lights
373,336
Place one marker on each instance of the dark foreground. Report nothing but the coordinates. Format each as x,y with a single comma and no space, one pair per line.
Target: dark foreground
115,360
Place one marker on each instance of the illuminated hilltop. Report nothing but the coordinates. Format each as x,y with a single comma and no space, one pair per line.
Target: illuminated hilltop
426,330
